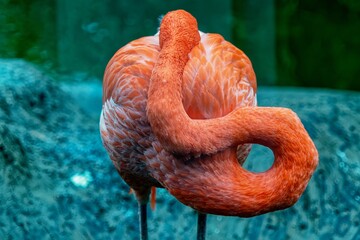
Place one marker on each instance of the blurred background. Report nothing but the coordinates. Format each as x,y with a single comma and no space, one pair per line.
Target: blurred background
56,180
290,42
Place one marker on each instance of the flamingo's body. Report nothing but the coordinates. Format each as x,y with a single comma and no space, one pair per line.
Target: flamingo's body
181,114
217,79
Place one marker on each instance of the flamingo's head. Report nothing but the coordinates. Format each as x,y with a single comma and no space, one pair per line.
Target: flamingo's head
181,23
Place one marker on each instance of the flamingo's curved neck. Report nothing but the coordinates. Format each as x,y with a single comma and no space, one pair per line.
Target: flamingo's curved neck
178,35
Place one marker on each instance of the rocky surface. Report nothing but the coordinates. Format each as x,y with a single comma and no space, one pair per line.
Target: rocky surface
56,181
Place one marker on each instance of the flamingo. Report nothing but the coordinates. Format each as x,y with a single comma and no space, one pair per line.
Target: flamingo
179,112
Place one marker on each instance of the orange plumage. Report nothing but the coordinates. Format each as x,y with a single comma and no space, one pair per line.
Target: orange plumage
179,111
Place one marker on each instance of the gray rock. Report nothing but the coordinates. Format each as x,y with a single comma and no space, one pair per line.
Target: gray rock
58,183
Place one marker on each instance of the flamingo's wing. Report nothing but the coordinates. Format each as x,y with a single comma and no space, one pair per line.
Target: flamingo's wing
124,128
130,70
218,78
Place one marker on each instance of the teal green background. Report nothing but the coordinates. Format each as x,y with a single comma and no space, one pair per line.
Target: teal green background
291,43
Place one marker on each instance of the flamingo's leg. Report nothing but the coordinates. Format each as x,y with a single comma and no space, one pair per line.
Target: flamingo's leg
201,228
143,221
142,196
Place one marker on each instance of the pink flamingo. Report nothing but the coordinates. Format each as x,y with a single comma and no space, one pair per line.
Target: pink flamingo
179,111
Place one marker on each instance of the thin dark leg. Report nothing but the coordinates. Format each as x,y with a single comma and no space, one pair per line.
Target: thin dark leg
143,221
201,231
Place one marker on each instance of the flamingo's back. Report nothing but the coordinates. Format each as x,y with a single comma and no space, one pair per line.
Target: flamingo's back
217,79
